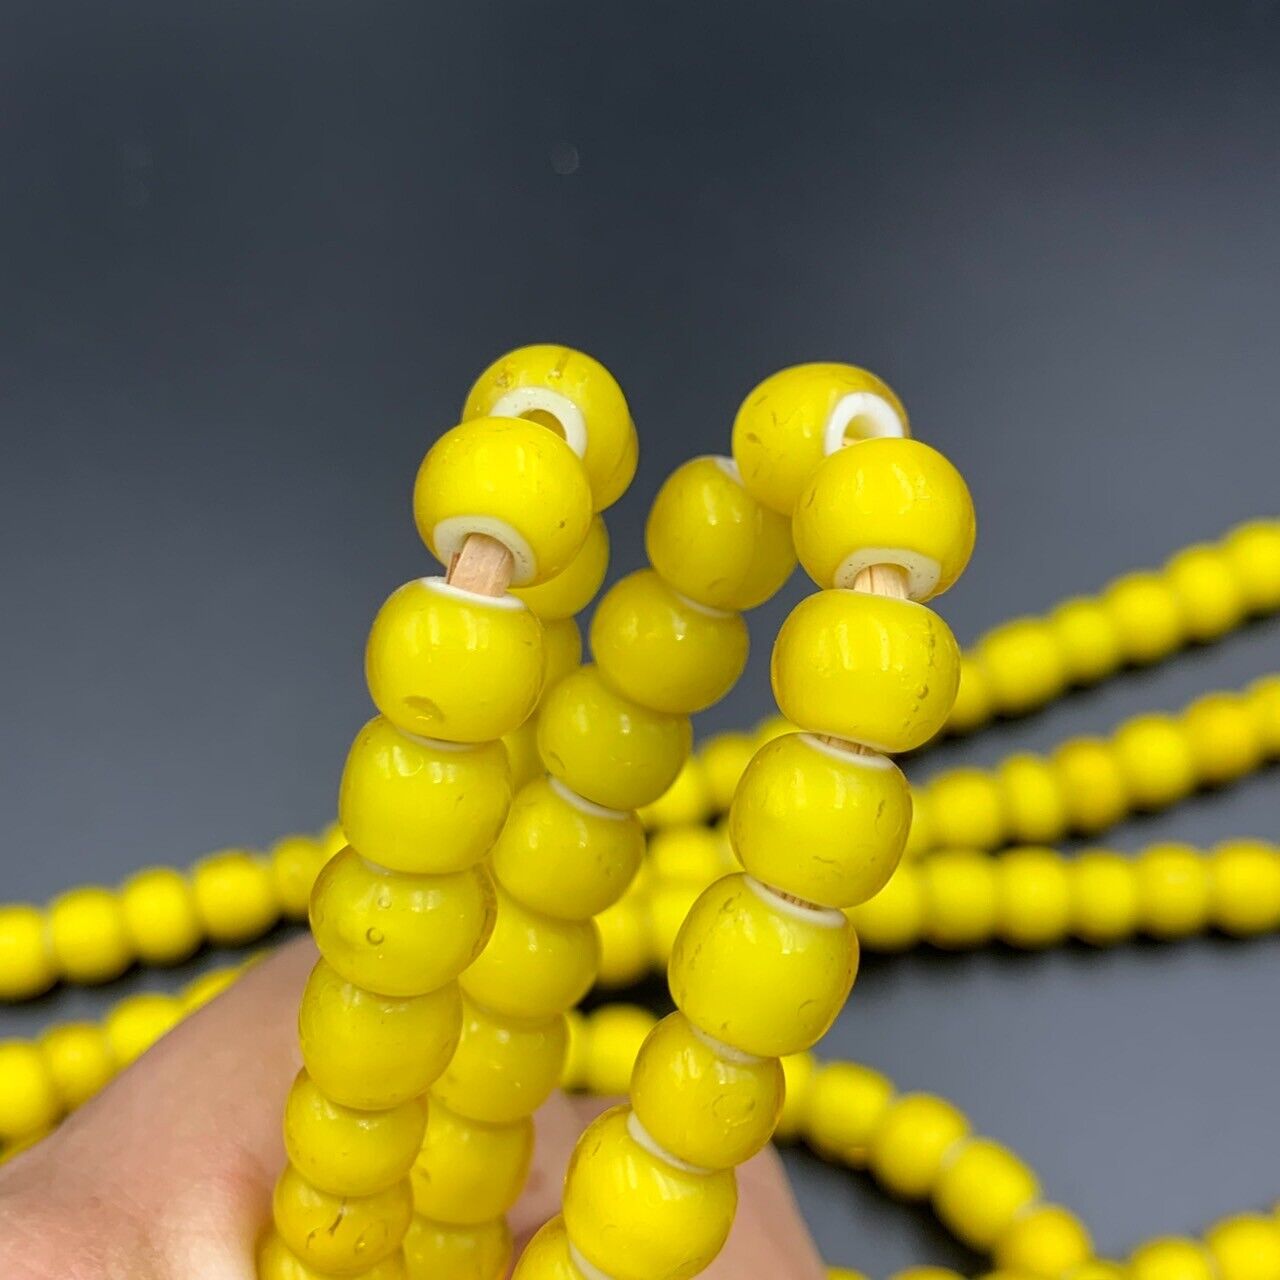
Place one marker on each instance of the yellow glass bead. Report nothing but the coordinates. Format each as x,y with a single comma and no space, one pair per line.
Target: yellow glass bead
534,965
373,1052
399,934
574,396
1146,615
845,1273
79,1060
820,822
724,758
1170,1258
521,746
160,914
1087,639
686,800
894,919
1023,665
888,501
1104,897
547,1256
972,707
911,1142
794,418
968,809
1245,887
1253,551
741,956
340,1235
1156,760
573,1075
635,1215
348,1152
713,542
1046,1240
668,903
617,1032
605,746
1263,700
87,935
504,1067
234,896
1033,898
1030,799
711,1107
1246,1247
869,669
436,1249
446,663
1173,891
29,1100
847,1103
798,1072
691,853
333,840
1207,591
564,856
208,985
137,1022
569,592
277,1262
773,727
468,1171
981,1189
561,651
427,807
1091,782
624,942
1223,737
27,965
513,481
961,893
295,863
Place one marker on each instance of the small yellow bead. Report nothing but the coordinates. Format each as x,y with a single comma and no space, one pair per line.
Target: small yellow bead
1263,700
742,954
348,1152
663,650
1087,639
894,919
624,942
1246,1247
798,1072
968,809
1173,891
470,1172
605,746
533,965
561,651
636,1216
1031,799
819,822
961,895
1104,897
869,669
1033,898
340,1235
1207,590
208,985
277,1262
912,1140
160,914
972,707
1156,760
668,902
709,1108
794,418
981,1189
724,759
1091,782
436,1249
1023,664
692,854
1044,1241
296,861
373,1052
617,1032
570,591
1253,551
547,1256
847,1103
29,1100
79,1058
1170,1258
686,800
521,746
1223,737
87,935
713,542
446,663
1146,615
27,964
234,896
137,1022
1245,887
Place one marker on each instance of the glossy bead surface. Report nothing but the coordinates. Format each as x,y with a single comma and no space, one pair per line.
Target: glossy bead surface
1146,616
87,935
571,590
794,418
798,1070
1171,1258
1033,898
160,915
981,1189
637,1217
277,1262
235,897
1245,887
27,963
1087,639
29,1100
846,1105
869,669
962,899
713,542
1023,663
400,934
422,806
821,823
436,1249
79,1059
468,1171
741,956
1172,883
1104,897
134,1024
1246,1247
513,480
909,1146
606,747
446,663
1047,1240
373,1052
547,1255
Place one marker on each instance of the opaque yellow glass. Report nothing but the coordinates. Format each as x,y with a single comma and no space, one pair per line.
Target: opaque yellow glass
724,759
1156,760
295,863
1253,551
693,853
798,1070
1092,783
1263,700
1207,590
571,590
1023,664
79,1059
235,896
276,1262
1246,1247
1173,890
961,892
436,1249
29,1099
972,707
134,1024
1146,615
470,1172
1223,736
87,935
1045,1241
521,746
909,1146
1031,802
547,1256
846,1105
980,1191
27,964
1087,639
894,918
617,1032
1245,887
1104,897
687,799
561,651
968,809
1033,898
160,914
624,943
1170,1258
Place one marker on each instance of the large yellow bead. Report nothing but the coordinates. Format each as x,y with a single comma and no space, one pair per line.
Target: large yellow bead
565,856
712,1109
340,1235
1023,663
1171,1258
1246,1247
160,915
446,663
741,956
79,1058
1173,891
1046,1240
962,898
547,1256
912,1141
819,822
436,1249
29,1100
1033,898
470,1172
400,934
870,669
663,650
504,1066
794,418
637,1216
349,1152
1245,887
571,590
1253,550
428,807
607,747
87,935
1086,638
575,396
235,896
980,1191
27,964
846,1105
137,1022
373,1052
1104,897
277,1262
534,965
887,501
512,480
713,542
894,919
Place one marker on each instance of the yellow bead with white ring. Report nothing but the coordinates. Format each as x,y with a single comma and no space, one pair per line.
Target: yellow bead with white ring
575,396
794,418
570,591
512,480
446,663
886,501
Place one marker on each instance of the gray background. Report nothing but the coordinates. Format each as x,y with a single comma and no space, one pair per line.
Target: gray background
251,256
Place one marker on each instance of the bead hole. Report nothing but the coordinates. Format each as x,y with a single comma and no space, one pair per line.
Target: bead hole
545,418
